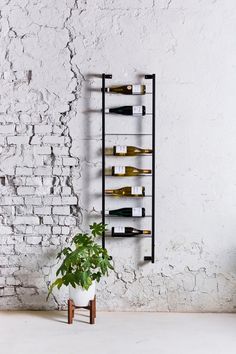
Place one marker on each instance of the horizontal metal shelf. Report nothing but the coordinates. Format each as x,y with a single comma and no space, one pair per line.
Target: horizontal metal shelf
128,176
121,197
128,134
138,236
135,217
128,115
143,155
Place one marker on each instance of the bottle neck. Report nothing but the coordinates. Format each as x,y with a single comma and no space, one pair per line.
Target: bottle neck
146,171
147,151
109,191
146,232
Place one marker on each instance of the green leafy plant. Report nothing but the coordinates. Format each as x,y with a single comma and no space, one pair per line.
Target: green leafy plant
84,261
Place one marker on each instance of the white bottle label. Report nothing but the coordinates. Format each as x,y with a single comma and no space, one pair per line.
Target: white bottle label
137,110
119,229
136,211
136,190
121,149
137,89
119,170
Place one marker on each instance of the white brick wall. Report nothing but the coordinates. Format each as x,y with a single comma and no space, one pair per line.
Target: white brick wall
36,194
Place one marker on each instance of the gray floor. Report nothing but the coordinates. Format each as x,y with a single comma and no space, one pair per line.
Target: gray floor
117,333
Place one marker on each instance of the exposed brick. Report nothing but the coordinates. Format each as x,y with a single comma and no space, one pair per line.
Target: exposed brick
33,200
61,150
7,129
52,200
43,129
18,140
24,171
42,229
69,201
43,171
56,230
5,230
42,210
70,221
33,240
43,150
69,161
53,140
47,220
61,210
27,220
66,190
36,140
26,190
65,230
33,181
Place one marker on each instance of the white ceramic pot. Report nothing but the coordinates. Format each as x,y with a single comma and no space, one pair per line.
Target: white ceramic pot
80,296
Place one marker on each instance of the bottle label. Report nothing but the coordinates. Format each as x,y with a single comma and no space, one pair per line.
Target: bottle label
137,110
121,149
137,89
119,229
136,190
136,211
119,170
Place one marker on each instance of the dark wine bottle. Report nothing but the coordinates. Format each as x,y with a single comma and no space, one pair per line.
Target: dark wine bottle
127,89
128,110
127,212
121,231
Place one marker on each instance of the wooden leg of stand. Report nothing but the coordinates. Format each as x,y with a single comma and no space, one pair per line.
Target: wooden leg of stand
70,311
95,307
91,308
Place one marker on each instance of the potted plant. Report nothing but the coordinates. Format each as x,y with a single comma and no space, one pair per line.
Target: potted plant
83,264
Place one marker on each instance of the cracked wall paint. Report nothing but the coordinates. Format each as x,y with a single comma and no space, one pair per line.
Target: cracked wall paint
50,144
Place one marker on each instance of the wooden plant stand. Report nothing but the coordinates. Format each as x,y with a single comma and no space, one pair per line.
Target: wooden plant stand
91,307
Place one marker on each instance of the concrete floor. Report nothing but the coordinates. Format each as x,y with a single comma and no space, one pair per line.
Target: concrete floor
117,333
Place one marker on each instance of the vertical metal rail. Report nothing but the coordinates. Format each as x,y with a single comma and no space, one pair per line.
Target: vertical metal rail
103,156
104,77
153,77
153,162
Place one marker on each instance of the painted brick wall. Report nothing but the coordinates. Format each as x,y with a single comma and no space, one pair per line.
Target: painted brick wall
52,52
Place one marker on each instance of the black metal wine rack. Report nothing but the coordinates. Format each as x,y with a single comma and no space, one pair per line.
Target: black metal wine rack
147,77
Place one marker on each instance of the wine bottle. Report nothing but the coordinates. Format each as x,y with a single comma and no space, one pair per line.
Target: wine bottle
122,150
128,110
127,89
136,191
121,231
126,212
129,171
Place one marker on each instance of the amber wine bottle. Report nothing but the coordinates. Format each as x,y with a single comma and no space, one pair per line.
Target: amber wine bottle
127,89
122,150
136,191
128,110
126,212
129,171
121,231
